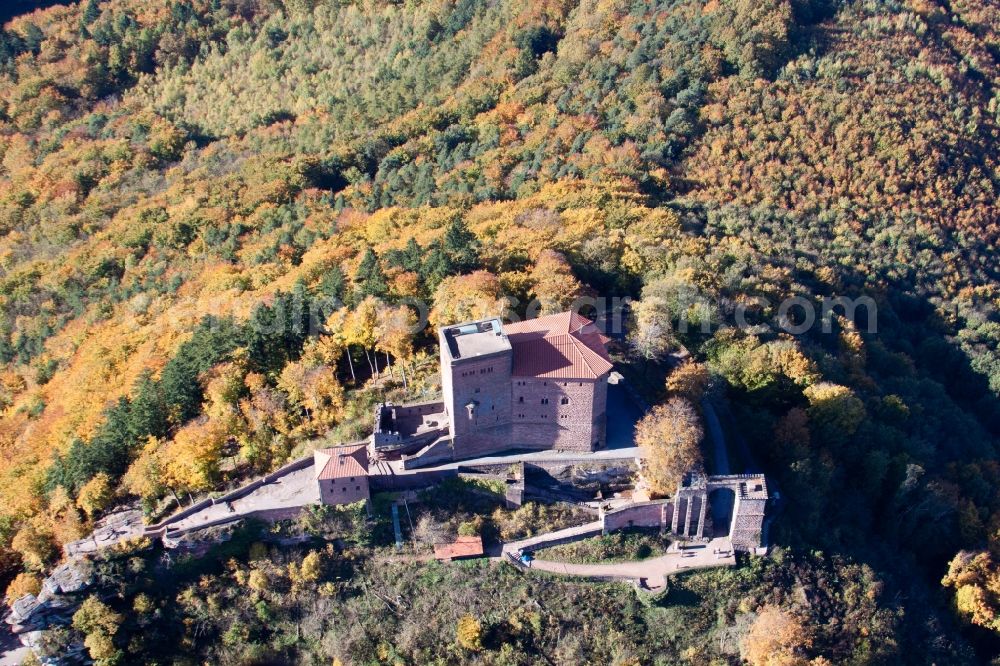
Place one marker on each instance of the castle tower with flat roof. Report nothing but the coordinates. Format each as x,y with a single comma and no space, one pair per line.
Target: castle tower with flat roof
476,362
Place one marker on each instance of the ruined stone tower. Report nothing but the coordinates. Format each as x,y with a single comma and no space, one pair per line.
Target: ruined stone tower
692,506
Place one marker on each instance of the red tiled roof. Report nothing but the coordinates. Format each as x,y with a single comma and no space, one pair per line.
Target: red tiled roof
463,546
560,346
339,462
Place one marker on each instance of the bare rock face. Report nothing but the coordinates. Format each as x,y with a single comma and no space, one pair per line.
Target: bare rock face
22,609
110,530
54,606
73,653
31,613
69,578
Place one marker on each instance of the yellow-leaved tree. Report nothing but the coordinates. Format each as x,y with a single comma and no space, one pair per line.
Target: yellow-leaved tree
314,389
469,633
669,436
477,295
99,624
96,495
834,411
191,460
361,328
650,331
776,638
975,577
554,284
689,380
24,583
395,330
145,476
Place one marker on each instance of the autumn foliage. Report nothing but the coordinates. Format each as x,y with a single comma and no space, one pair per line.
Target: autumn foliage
670,438
219,220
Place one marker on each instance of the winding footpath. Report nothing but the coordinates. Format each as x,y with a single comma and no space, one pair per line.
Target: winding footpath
649,575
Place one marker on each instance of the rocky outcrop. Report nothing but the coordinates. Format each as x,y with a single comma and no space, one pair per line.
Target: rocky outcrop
54,606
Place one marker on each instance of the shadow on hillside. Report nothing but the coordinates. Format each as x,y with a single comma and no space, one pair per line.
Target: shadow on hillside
912,463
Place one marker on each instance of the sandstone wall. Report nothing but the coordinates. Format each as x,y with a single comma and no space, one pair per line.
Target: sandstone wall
555,414
646,514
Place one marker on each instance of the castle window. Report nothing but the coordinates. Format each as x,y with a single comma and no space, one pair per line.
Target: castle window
477,389
545,401
357,487
564,400
521,399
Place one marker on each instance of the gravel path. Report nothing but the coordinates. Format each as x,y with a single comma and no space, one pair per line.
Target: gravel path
651,573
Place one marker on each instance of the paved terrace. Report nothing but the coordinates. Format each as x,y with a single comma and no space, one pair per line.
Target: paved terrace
293,490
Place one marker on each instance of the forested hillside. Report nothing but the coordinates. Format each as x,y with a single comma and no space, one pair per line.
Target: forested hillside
213,214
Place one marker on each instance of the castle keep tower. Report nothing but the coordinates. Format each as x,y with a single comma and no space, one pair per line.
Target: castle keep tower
560,383
476,362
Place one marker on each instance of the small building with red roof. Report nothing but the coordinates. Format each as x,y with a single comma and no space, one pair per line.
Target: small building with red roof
342,474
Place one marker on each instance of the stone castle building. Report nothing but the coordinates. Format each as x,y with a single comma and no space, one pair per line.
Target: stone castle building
726,505
535,384
342,474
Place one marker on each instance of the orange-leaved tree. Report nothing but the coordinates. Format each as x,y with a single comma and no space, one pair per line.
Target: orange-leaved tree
670,437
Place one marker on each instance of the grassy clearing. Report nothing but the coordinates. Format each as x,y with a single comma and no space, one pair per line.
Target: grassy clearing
623,546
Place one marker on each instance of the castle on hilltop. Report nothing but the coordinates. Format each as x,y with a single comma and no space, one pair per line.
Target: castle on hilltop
529,385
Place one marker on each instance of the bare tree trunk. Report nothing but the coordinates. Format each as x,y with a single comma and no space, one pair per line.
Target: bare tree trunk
371,367
375,358
350,364
388,367
402,371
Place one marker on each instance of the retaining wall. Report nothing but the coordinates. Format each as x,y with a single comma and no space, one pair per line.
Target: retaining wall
439,451
239,493
656,514
410,480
